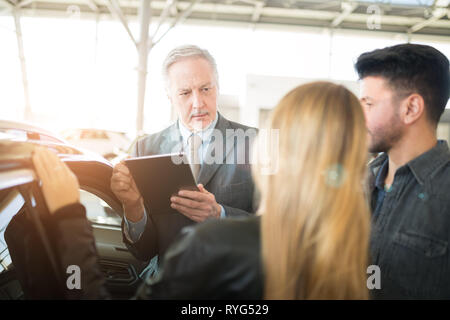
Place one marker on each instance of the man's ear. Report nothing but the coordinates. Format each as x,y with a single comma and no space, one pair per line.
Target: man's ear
413,108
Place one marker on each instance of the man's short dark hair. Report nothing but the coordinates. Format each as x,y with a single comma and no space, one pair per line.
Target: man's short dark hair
411,68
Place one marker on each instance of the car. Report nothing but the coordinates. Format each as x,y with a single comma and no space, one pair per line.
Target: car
109,144
22,204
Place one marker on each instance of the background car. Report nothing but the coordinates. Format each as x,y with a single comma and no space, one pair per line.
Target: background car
109,144
20,199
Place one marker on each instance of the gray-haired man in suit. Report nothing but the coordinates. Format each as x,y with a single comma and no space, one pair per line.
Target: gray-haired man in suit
218,150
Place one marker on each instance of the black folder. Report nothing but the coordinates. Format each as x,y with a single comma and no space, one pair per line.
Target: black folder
159,177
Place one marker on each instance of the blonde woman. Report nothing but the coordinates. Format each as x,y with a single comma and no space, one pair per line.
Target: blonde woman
310,240
315,219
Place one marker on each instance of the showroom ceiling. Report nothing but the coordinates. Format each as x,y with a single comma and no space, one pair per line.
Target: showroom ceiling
402,16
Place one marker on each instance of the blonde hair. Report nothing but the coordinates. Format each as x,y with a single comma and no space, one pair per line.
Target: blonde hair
315,230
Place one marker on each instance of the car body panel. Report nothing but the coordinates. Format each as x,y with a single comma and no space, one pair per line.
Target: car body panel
119,266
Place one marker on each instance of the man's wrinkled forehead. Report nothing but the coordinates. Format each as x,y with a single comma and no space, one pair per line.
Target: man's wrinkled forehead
185,74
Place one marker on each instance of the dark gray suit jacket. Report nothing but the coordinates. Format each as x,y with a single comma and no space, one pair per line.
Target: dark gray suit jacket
230,182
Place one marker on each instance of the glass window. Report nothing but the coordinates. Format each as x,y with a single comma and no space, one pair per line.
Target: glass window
98,211
10,204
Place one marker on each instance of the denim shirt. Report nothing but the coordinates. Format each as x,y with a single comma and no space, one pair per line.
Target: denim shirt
411,226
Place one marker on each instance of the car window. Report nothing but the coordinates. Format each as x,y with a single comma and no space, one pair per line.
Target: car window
94,135
98,211
11,202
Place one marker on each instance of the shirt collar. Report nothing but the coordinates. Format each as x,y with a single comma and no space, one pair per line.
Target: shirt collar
376,164
424,165
205,134
381,174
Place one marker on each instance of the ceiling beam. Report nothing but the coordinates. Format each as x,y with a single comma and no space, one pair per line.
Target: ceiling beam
163,16
24,3
325,5
92,5
438,14
245,11
115,9
7,4
347,9
258,10
182,15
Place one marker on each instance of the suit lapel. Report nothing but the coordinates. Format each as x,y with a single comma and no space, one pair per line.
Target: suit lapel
207,171
171,141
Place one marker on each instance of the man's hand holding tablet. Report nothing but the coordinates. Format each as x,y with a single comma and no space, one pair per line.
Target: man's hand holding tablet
165,187
196,205
124,187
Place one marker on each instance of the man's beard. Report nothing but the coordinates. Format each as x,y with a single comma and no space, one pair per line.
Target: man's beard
383,139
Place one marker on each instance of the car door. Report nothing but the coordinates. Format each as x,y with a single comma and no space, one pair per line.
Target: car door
104,211
121,269
12,203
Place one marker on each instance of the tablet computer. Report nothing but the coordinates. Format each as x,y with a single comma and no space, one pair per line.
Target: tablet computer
159,177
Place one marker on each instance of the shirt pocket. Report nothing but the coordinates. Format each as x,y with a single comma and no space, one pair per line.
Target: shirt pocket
419,263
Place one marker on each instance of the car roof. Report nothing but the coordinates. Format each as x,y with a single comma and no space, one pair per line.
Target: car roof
72,130
17,154
15,146
32,131
16,167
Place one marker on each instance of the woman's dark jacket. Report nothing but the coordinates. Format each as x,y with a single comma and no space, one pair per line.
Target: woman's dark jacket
217,259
